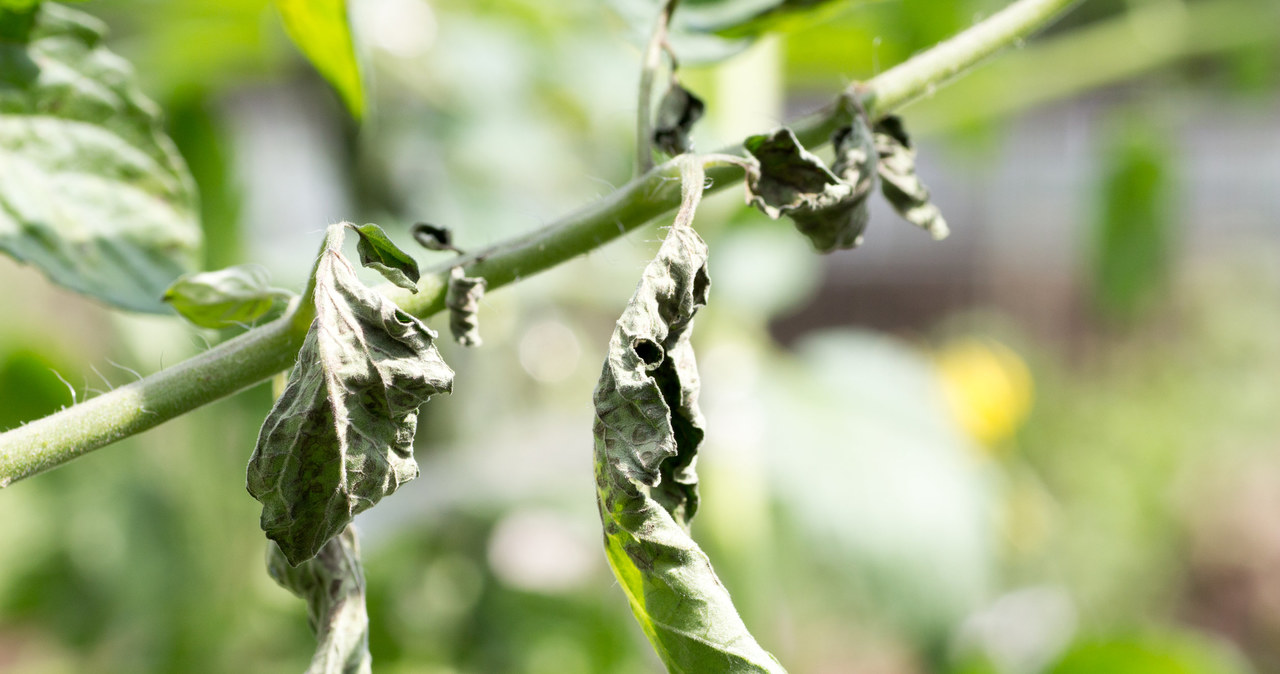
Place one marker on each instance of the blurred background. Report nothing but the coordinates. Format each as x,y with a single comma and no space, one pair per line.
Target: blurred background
1049,443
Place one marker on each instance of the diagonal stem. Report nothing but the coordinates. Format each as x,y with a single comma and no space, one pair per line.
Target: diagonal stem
258,354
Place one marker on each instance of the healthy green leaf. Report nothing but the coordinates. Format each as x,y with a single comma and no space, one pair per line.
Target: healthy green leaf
463,300
828,208
91,190
322,31
377,252
340,437
332,583
647,431
678,111
899,182
220,299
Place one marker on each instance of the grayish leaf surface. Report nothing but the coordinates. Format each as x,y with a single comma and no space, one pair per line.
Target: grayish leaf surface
379,253
220,299
463,300
899,182
829,208
91,190
678,111
647,431
332,584
340,437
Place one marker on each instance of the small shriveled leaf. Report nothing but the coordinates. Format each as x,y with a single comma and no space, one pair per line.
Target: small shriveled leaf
678,111
377,252
788,180
899,182
91,189
647,431
220,299
322,31
332,584
340,437
463,300
432,237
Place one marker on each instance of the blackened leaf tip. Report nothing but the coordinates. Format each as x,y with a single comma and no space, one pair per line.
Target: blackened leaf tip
678,111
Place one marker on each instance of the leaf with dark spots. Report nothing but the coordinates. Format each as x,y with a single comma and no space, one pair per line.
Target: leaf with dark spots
678,111
340,437
462,298
829,208
647,431
377,252
332,584
236,295
899,182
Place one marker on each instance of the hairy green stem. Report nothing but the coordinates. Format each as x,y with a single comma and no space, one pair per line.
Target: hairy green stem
258,354
649,68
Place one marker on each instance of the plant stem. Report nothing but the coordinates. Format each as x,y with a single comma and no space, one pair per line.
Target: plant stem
649,68
258,354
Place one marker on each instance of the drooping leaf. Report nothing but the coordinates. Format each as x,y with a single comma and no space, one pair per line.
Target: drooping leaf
91,190
463,300
706,31
340,437
332,584
220,299
899,182
647,431
377,252
322,31
432,237
678,111
828,208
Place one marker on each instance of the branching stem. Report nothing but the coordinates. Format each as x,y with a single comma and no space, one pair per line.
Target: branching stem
260,353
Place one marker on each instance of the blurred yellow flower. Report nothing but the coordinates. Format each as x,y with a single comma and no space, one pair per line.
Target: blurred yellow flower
988,387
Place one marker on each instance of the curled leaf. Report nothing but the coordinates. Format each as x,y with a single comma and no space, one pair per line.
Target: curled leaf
92,192
432,237
647,431
377,252
463,300
899,182
830,209
340,437
220,299
332,584
678,111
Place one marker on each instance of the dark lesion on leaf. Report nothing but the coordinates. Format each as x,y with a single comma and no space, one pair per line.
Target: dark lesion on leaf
649,352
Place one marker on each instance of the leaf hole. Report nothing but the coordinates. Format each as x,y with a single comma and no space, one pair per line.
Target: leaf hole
648,351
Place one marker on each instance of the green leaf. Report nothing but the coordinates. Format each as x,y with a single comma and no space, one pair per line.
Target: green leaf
91,190
463,300
899,182
340,437
1134,231
647,431
18,5
220,299
678,111
332,583
828,208
322,31
377,252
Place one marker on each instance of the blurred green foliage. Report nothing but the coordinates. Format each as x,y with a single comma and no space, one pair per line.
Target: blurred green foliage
855,523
